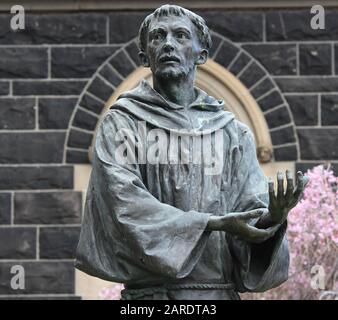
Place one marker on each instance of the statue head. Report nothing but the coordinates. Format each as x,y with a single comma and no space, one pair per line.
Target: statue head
173,41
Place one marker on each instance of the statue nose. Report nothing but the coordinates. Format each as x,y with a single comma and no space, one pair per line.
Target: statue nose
168,46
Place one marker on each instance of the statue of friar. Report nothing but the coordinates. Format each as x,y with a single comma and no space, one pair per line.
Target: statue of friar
177,205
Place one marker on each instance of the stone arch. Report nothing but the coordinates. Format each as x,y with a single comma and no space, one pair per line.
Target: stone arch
265,91
109,76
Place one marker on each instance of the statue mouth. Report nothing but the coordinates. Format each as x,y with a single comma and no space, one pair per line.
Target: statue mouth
168,58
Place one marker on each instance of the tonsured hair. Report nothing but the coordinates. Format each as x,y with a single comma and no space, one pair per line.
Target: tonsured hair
173,10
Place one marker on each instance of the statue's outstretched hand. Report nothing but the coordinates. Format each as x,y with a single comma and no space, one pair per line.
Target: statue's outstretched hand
237,224
280,205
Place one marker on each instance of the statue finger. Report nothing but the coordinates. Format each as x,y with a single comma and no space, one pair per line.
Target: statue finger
272,231
261,235
253,214
290,185
272,193
299,185
255,232
280,186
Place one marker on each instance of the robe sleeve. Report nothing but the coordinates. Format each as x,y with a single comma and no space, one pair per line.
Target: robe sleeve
129,225
258,267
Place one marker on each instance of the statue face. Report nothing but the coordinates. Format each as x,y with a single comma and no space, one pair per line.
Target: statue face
173,48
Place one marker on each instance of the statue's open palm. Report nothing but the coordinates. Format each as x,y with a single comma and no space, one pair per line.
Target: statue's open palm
280,205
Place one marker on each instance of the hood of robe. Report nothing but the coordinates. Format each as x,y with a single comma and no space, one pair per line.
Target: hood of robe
205,114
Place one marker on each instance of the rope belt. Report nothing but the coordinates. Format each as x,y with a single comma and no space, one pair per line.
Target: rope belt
128,294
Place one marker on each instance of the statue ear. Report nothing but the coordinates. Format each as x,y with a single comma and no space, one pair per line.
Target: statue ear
203,57
144,59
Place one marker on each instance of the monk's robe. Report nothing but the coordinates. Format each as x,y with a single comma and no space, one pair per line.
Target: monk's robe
145,223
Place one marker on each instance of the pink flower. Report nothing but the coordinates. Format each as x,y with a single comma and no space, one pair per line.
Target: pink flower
113,293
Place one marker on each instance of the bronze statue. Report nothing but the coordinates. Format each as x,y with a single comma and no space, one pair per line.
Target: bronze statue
177,206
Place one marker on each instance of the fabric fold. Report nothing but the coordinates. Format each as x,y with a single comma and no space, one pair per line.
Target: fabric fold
151,235
205,114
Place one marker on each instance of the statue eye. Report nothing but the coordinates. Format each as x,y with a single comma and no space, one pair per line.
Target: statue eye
157,36
182,35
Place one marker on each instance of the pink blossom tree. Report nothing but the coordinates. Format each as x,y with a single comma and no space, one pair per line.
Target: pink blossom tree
313,240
